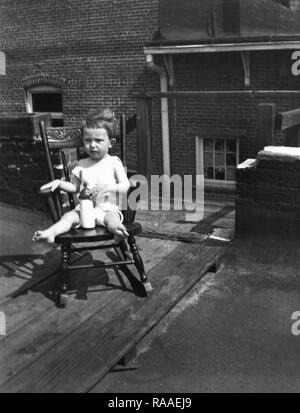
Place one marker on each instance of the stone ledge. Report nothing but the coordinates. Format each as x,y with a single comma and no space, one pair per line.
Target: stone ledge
22,125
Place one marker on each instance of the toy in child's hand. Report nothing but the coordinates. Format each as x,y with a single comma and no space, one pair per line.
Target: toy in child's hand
87,216
50,186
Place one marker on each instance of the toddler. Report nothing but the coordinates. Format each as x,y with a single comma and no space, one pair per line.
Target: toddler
103,174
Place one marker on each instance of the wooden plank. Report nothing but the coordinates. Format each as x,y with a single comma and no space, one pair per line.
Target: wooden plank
265,125
27,307
78,362
288,119
206,93
50,326
34,324
131,355
216,132
21,259
35,272
191,237
143,136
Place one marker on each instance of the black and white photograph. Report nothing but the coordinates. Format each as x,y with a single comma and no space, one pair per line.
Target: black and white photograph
149,199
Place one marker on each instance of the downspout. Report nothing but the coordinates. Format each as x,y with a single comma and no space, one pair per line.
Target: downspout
2,64
164,113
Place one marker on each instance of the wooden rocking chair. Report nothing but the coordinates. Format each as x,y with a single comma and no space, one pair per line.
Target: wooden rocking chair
60,139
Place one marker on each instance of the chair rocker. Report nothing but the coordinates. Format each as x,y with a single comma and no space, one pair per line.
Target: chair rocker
61,139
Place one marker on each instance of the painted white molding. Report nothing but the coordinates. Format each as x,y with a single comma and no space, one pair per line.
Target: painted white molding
2,64
226,47
246,65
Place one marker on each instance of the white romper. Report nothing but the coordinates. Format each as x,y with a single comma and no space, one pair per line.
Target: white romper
103,172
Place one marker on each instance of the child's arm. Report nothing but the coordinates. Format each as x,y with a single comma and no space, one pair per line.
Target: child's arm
70,187
122,183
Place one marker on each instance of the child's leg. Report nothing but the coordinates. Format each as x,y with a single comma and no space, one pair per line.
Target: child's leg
67,221
113,222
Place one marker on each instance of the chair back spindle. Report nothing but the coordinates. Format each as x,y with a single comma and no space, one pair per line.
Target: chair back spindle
56,203
67,177
47,151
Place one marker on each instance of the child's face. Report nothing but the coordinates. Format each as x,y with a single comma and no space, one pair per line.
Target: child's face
96,142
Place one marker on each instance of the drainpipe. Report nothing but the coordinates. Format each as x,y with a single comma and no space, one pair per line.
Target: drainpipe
2,64
164,113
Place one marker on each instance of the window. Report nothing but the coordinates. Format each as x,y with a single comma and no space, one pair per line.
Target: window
220,158
217,158
295,5
46,99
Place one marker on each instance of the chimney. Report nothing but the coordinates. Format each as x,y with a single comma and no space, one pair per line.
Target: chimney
231,16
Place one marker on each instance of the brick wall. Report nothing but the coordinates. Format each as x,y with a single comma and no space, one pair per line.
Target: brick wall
96,47
268,196
270,70
94,51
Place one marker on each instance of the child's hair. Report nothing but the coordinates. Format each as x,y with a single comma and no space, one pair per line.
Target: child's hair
104,118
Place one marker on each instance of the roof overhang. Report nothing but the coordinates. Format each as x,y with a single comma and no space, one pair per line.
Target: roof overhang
222,47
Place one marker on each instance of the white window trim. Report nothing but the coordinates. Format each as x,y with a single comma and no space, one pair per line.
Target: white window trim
214,183
41,89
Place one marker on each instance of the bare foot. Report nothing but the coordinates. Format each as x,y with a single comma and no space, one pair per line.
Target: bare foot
44,236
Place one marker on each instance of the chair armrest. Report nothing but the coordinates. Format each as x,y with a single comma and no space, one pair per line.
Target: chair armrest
131,172
129,213
45,192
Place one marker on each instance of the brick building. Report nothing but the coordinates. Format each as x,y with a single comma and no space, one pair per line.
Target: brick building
65,57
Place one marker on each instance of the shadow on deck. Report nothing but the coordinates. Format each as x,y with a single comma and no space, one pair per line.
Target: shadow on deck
47,349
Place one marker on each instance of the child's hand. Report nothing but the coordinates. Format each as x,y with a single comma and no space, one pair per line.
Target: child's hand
93,193
100,193
50,186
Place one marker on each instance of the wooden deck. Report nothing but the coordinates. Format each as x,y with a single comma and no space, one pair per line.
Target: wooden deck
48,349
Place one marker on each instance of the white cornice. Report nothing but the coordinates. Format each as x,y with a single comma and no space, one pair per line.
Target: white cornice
223,47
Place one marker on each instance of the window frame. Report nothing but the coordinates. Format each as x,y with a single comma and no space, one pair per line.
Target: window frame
200,159
42,89
295,5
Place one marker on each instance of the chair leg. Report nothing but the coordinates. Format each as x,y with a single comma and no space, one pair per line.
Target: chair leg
138,262
64,272
124,249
